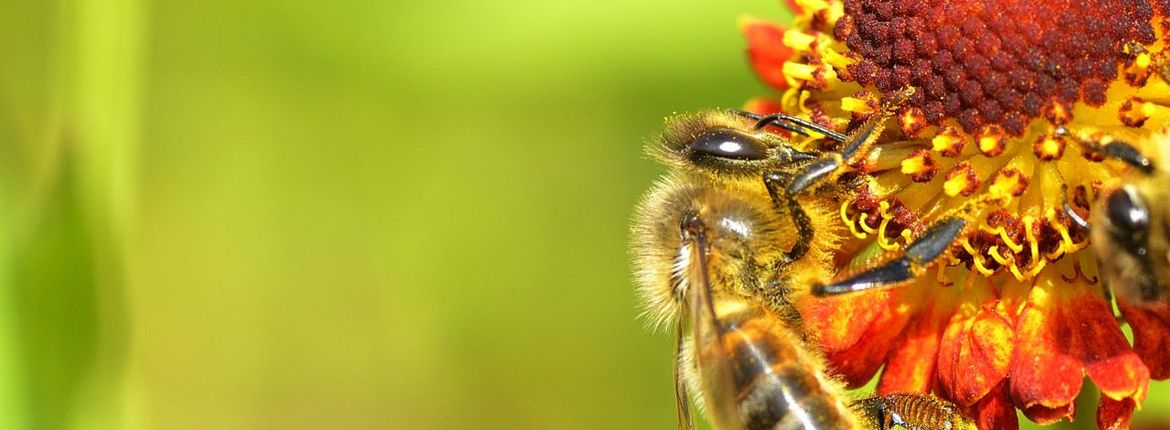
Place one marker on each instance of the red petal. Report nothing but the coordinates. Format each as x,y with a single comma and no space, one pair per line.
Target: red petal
995,411
1067,330
910,368
766,50
975,353
794,7
843,322
1044,415
763,106
1151,335
1114,414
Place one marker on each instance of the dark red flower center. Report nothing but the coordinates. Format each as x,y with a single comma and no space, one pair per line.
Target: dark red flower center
1000,62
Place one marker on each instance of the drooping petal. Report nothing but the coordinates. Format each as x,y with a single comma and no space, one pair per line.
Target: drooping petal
995,410
1151,335
910,367
794,6
766,50
1044,415
975,353
843,322
1114,414
1071,332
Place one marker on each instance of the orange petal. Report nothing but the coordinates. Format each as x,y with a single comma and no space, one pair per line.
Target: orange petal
766,50
1067,330
910,368
1151,335
975,353
1114,414
763,106
995,411
1044,415
843,322
794,7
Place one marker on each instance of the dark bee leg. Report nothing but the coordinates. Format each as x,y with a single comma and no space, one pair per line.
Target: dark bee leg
1116,149
784,187
918,255
1068,210
910,411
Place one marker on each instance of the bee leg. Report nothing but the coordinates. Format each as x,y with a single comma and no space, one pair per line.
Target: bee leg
910,411
1068,210
790,123
784,187
1116,149
918,255
781,187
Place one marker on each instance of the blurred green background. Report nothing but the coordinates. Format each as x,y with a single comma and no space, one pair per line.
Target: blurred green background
350,214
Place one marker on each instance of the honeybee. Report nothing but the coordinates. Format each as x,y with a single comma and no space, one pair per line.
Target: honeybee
726,242
1129,225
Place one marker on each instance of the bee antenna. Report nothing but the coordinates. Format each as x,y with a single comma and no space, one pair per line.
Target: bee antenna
791,123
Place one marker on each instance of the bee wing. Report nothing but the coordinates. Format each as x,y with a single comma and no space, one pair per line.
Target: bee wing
682,401
711,357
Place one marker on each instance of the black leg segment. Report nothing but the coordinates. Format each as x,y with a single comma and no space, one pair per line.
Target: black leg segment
1125,152
921,252
778,184
792,124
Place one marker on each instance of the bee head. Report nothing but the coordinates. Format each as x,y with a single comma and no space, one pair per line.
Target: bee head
1133,246
723,145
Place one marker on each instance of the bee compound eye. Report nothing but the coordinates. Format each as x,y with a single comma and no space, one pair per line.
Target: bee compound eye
728,144
1129,216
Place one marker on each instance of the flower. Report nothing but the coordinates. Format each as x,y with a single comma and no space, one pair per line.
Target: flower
1009,97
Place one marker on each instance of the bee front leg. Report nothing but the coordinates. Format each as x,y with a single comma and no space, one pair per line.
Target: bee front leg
1113,148
910,411
785,187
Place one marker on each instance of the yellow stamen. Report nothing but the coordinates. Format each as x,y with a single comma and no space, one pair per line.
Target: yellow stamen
1016,272
961,180
980,267
999,258
912,122
1135,111
948,142
836,11
835,59
882,240
1036,270
865,226
915,164
1007,184
853,104
799,40
1048,147
992,140
800,71
812,5
1033,246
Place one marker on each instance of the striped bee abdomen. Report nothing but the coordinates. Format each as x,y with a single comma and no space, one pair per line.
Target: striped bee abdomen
778,384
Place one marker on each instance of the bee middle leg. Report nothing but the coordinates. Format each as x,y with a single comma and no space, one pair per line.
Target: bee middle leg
913,262
919,254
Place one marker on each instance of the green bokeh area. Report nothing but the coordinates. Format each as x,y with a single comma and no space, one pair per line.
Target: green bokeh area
356,214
